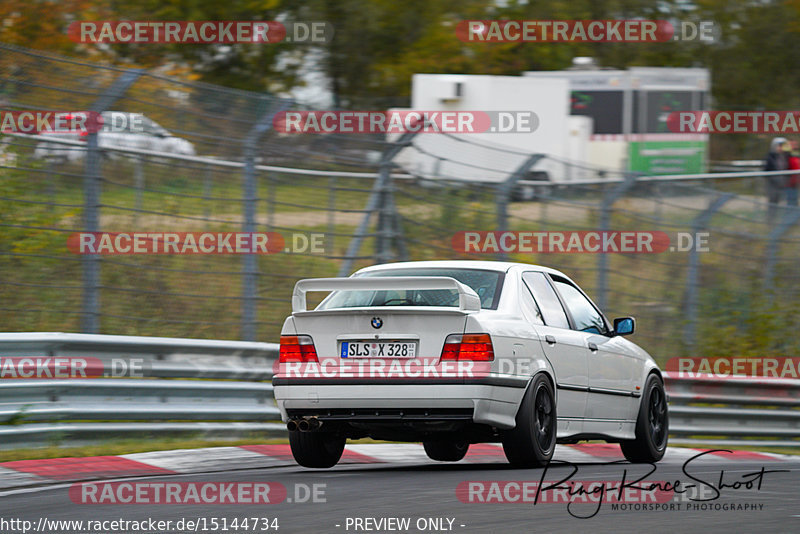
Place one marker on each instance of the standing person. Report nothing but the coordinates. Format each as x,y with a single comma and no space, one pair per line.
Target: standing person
793,179
777,160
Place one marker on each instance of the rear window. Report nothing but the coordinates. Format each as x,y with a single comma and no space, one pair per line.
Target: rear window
486,284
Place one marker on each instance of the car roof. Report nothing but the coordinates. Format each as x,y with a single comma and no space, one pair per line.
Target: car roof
502,266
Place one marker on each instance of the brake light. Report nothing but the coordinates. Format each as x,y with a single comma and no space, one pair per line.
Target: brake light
475,347
297,349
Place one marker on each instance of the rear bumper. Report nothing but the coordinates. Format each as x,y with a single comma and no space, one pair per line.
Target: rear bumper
491,401
384,415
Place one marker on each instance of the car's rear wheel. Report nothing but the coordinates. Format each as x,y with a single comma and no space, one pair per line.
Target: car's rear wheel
532,442
652,425
316,449
446,450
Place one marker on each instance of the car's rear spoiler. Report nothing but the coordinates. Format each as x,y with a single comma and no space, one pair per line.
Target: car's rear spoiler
468,300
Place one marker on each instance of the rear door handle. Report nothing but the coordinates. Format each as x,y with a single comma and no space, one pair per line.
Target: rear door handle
551,340
592,347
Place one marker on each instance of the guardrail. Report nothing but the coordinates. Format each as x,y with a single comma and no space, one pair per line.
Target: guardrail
187,387
734,411
222,388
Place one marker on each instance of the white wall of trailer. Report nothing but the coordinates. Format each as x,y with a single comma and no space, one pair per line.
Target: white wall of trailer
480,157
608,154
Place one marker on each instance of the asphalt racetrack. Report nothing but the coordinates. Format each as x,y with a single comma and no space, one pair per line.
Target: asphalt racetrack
396,489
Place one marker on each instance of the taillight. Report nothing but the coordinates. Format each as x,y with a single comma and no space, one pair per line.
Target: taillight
475,347
297,349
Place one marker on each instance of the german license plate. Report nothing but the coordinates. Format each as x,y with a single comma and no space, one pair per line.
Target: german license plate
378,349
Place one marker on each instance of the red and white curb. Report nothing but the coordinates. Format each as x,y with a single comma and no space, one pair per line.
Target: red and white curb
24,473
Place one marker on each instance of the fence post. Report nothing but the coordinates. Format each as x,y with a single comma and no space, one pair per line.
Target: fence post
90,306
503,194
385,230
380,200
331,240
138,175
249,200
397,228
273,180
693,270
604,226
789,219
207,191
51,180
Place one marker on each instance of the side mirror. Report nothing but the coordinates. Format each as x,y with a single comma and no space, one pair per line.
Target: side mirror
624,326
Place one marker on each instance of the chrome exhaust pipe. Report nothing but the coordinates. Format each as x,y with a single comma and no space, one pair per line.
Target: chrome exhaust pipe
291,426
314,423
303,425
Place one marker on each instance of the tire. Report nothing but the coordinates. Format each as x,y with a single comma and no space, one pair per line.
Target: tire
532,442
446,450
652,425
316,449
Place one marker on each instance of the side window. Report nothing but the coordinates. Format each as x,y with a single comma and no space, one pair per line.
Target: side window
157,129
585,315
529,307
552,311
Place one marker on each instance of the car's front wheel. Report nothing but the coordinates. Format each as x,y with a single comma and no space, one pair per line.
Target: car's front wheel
532,442
652,425
316,449
446,450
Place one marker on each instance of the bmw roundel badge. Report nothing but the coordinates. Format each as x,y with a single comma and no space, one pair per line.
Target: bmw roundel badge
376,322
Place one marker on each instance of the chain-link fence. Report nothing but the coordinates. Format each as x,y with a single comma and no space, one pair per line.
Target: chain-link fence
213,164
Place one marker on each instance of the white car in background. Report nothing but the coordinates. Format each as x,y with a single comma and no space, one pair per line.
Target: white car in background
545,365
120,130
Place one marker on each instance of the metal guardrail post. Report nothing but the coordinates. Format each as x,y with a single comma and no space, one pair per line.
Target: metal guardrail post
379,201
249,199
605,225
693,270
90,309
503,194
790,218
